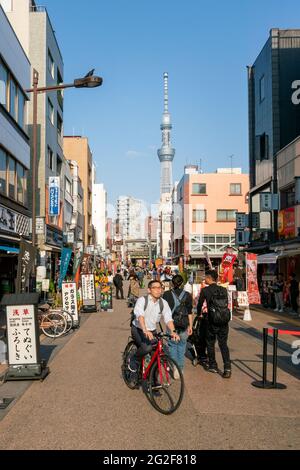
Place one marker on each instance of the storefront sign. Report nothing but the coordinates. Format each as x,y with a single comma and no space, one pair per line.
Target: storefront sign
243,299
88,290
45,285
252,284
8,219
21,335
54,196
69,295
40,226
287,223
25,263
64,265
54,238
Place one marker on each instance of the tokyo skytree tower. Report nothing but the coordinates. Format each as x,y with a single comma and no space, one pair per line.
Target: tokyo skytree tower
166,154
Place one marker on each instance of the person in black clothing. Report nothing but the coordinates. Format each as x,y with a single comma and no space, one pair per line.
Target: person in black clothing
294,292
215,332
118,282
175,297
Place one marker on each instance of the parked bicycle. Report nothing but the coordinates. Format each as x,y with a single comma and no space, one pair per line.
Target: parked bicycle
54,322
156,375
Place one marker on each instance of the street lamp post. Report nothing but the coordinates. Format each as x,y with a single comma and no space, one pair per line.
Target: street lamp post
89,81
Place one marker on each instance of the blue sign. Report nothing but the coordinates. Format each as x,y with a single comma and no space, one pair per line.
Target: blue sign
54,196
64,264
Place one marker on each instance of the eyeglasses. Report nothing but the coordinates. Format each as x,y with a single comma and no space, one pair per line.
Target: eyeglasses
158,288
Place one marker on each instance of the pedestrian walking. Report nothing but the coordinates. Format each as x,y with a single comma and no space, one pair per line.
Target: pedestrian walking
277,288
133,291
218,318
118,283
181,305
294,292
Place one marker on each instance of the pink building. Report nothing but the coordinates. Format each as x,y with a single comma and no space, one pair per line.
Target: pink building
204,213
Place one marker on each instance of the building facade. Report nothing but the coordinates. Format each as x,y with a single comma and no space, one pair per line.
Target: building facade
274,122
30,22
77,223
131,218
14,152
77,149
99,218
204,215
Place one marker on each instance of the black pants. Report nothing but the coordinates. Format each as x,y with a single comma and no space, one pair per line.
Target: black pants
219,333
201,343
294,301
144,345
119,289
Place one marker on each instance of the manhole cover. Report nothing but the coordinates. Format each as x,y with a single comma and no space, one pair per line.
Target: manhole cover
5,402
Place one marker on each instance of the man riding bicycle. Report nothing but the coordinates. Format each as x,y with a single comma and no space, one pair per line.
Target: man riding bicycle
148,312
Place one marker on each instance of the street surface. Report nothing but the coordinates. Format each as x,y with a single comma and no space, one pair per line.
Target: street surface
84,403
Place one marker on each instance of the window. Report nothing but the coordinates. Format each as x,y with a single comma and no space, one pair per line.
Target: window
60,95
21,108
199,188
3,84
51,66
236,188
262,147
3,172
11,177
58,165
50,112
199,215
20,183
59,130
50,159
262,93
13,99
68,186
287,198
226,215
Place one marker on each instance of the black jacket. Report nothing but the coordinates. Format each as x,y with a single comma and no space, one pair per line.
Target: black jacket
118,280
206,295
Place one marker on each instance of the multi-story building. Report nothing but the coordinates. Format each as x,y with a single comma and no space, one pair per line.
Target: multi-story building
77,223
30,22
287,249
77,149
274,122
14,152
131,218
99,217
204,216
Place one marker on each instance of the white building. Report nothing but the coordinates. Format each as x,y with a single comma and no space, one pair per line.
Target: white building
99,218
77,221
131,218
14,151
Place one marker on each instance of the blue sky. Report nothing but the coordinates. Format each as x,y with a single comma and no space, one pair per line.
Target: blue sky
205,46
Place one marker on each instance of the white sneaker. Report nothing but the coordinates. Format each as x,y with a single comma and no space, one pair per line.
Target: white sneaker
276,310
176,374
280,311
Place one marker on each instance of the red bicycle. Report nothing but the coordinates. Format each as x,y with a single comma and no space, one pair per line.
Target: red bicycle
160,377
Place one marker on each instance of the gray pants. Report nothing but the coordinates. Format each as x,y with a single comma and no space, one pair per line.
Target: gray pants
279,300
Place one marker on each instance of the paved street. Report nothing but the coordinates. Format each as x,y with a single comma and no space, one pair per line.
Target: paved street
84,403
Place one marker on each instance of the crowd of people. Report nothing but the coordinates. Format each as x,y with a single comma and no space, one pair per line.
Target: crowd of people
175,307
281,295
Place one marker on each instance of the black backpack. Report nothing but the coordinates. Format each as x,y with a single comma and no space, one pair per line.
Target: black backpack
180,312
218,311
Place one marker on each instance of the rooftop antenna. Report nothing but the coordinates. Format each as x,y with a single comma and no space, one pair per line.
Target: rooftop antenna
200,167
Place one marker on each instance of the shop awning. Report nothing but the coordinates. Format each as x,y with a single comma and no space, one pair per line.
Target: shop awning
9,249
268,258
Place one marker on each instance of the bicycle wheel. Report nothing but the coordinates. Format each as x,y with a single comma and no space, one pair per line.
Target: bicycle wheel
69,319
166,388
130,378
53,324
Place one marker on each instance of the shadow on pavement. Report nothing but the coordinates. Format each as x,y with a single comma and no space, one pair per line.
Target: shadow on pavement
46,351
242,365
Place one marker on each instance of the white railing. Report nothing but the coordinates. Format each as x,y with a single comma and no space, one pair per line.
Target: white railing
212,244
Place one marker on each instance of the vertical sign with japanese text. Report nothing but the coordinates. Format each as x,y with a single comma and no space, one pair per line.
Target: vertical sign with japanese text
69,295
54,196
21,335
88,289
25,262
